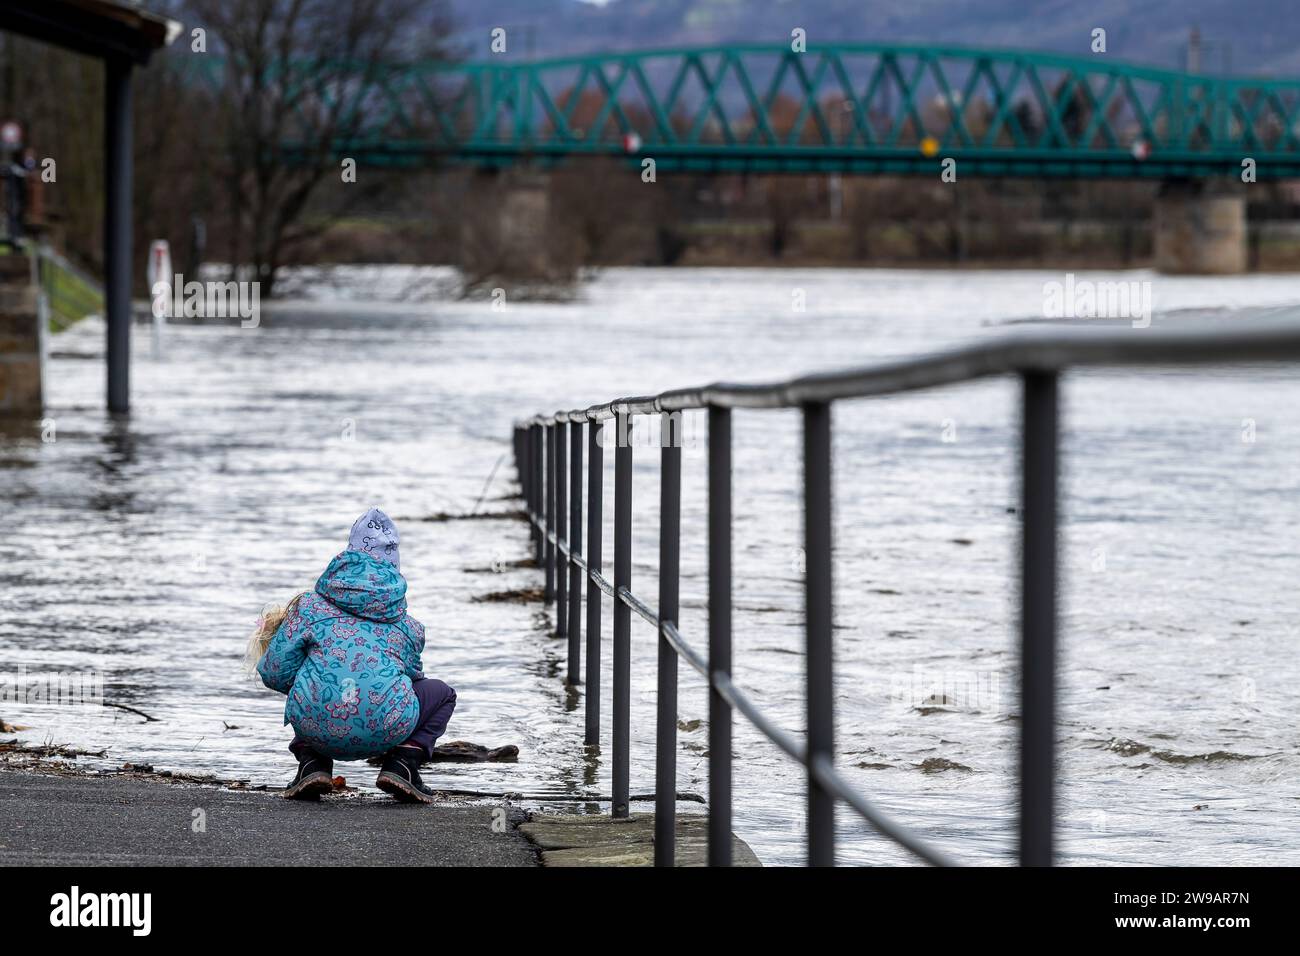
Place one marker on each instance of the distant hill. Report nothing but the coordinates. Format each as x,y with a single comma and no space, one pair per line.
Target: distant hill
1245,36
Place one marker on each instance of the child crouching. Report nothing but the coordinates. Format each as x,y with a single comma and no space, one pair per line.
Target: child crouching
348,657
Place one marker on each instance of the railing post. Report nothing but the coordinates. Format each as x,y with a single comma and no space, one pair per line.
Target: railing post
548,594
517,449
538,487
523,452
622,613
670,508
561,532
719,634
1038,617
575,548
818,599
526,480
595,544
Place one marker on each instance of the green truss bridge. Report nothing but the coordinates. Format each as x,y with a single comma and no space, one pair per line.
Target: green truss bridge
852,108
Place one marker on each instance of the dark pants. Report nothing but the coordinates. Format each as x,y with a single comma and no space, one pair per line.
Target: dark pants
437,701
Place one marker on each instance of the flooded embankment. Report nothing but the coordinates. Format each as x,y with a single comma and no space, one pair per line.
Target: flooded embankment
140,551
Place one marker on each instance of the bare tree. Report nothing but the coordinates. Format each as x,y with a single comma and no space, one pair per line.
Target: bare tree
303,79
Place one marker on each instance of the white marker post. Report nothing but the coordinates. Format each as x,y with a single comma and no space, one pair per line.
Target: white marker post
158,270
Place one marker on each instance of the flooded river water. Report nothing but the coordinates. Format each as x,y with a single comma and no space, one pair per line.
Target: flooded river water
142,550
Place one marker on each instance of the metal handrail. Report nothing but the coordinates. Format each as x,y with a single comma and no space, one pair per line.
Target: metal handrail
1010,353
1037,357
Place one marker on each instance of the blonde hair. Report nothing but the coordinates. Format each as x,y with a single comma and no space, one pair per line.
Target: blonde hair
268,623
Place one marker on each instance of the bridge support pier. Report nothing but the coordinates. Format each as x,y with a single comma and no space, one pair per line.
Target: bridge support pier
505,226
1200,228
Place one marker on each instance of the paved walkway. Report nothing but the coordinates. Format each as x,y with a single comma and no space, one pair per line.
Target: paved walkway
72,820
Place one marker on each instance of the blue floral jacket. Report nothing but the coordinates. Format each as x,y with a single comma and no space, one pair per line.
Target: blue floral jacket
346,657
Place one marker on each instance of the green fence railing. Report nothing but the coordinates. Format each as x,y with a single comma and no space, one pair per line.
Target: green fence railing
70,294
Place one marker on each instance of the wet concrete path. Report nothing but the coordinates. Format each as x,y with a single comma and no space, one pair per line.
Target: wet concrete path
122,821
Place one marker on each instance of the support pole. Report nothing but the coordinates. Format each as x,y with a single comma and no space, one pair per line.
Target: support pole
561,530
719,635
117,230
1038,618
575,548
548,593
516,446
817,610
595,544
670,520
622,615
539,492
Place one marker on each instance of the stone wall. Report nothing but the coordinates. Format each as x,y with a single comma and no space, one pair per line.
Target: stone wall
20,339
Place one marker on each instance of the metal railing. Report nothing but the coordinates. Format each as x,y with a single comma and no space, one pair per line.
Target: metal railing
1037,358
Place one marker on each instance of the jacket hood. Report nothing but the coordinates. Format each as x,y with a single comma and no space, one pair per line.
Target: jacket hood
364,586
